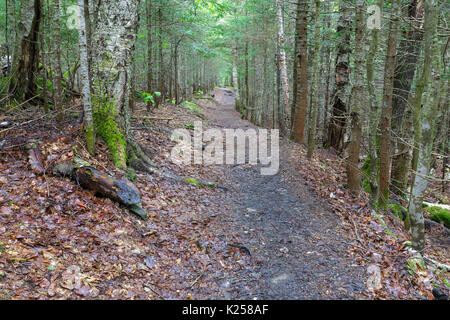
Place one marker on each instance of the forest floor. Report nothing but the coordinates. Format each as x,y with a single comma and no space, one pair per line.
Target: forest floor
296,235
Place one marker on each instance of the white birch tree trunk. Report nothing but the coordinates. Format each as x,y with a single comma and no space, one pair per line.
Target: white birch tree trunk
113,40
283,69
85,81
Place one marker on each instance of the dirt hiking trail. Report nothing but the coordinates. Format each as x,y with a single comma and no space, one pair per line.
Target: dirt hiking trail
295,242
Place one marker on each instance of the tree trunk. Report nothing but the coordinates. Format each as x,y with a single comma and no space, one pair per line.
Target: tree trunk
358,98
44,59
426,128
336,130
114,40
26,50
386,111
235,80
373,121
9,28
302,71
327,81
409,50
162,81
149,51
87,20
175,74
284,114
58,68
314,83
85,80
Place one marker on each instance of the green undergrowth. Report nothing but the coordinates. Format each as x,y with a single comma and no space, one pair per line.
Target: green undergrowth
4,84
40,84
192,107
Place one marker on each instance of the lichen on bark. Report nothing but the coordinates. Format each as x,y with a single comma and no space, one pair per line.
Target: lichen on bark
113,41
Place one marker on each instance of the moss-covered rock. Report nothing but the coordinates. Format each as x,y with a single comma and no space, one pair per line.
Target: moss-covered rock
439,215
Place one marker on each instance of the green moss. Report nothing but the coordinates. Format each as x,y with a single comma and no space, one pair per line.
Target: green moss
107,128
439,215
131,175
193,181
90,139
200,184
383,200
397,210
210,185
366,176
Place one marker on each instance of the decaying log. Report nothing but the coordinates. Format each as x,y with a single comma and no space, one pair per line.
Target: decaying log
122,191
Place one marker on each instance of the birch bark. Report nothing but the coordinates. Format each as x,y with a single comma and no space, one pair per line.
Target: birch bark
85,80
284,111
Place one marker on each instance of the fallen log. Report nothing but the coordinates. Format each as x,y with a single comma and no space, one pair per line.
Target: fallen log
121,191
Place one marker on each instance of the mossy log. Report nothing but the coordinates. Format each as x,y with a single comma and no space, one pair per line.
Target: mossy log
121,191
